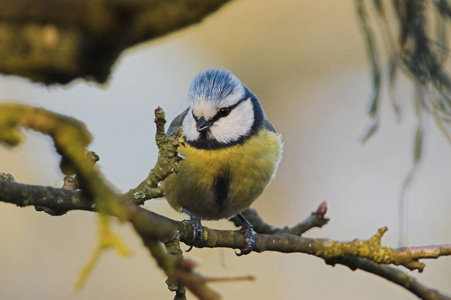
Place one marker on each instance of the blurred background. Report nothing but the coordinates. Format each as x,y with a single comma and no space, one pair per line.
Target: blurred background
306,62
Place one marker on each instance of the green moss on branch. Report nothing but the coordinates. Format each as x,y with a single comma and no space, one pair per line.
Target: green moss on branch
167,163
56,41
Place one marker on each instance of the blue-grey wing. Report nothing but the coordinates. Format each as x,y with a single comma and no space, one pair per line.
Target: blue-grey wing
268,126
177,122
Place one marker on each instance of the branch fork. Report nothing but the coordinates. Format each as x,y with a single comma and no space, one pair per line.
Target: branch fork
71,139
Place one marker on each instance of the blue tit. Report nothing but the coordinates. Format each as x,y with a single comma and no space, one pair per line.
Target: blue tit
231,153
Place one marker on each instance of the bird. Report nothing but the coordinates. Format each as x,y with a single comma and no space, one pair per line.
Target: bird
231,153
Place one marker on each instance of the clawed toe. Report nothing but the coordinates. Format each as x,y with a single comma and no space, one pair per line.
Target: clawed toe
198,234
249,236
198,229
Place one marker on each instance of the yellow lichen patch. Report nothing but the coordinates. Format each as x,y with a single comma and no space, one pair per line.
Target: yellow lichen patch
106,240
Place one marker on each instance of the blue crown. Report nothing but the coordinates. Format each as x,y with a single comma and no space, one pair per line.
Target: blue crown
214,85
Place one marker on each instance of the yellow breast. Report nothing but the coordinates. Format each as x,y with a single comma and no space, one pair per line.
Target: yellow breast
220,183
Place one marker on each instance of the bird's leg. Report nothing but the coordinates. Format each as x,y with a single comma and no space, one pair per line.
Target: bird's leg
198,229
249,236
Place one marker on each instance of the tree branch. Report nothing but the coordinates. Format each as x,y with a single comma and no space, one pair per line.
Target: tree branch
365,255
316,219
392,274
167,163
56,41
54,198
154,228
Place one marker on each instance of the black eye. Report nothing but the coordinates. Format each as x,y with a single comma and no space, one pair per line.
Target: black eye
223,112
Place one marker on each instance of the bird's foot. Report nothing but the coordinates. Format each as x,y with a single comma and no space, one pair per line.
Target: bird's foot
249,236
198,229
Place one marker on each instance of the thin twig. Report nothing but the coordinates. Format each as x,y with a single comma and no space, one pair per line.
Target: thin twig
315,219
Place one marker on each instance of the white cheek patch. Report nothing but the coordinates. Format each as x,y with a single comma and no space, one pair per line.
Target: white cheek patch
226,129
237,124
189,129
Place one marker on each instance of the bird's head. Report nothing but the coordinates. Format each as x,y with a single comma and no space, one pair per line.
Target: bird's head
222,111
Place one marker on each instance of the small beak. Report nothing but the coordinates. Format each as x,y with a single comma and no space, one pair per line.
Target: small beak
202,124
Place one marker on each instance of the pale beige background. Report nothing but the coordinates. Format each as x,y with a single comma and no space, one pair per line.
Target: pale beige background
305,61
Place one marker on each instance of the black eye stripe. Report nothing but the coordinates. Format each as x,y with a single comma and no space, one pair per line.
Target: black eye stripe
230,108
220,114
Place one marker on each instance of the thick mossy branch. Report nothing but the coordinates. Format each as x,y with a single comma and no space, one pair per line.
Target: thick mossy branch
71,139
56,41
69,135
325,248
167,163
